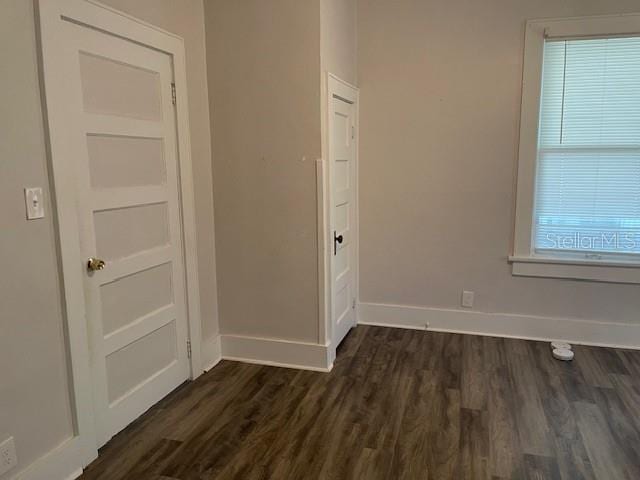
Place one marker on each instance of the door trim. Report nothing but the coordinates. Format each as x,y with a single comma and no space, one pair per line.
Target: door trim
49,17
335,87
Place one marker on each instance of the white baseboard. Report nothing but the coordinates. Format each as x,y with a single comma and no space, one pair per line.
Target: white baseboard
276,352
62,463
211,352
529,327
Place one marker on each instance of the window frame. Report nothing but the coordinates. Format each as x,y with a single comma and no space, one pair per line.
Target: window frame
525,261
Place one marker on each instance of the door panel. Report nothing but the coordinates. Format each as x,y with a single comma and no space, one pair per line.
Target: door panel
129,298
342,152
130,366
129,216
120,161
119,88
122,232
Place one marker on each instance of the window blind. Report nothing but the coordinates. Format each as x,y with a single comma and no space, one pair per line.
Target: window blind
588,167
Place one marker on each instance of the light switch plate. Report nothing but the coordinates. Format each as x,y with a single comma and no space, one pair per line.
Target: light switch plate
8,457
35,203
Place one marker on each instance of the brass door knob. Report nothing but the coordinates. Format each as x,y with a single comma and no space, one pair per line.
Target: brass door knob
94,264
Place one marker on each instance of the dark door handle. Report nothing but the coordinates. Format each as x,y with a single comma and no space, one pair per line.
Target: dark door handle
336,240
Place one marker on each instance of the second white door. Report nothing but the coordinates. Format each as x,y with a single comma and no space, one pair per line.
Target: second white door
343,227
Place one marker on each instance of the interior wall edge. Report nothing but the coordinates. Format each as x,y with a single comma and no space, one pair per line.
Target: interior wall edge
211,352
528,327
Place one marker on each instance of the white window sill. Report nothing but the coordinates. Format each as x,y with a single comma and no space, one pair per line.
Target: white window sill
577,269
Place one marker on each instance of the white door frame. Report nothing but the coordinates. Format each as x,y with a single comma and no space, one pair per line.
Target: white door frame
51,15
335,87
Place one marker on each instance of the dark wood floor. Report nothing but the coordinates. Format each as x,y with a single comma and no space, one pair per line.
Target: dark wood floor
398,404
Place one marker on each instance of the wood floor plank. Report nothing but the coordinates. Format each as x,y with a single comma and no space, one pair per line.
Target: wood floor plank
605,454
597,365
473,374
531,421
443,451
398,404
541,468
573,460
505,452
622,423
410,455
628,389
631,361
474,444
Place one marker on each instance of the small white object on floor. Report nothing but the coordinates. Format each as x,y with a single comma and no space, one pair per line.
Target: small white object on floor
561,345
563,354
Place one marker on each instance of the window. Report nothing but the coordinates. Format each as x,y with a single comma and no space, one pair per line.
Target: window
579,163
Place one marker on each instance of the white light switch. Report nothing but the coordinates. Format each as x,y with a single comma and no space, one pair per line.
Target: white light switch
35,203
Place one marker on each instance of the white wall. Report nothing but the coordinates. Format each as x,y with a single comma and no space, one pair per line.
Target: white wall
34,400
264,84
440,88
338,38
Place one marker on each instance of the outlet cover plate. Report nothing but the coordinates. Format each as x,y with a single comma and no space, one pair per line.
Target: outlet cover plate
467,299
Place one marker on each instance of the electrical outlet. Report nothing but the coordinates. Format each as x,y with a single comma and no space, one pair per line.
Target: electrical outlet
467,299
8,457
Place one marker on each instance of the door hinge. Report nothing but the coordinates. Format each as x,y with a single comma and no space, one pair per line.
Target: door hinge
353,304
188,348
353,132
173,93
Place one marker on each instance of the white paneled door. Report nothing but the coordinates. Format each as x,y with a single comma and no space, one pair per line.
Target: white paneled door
122,124
342,148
